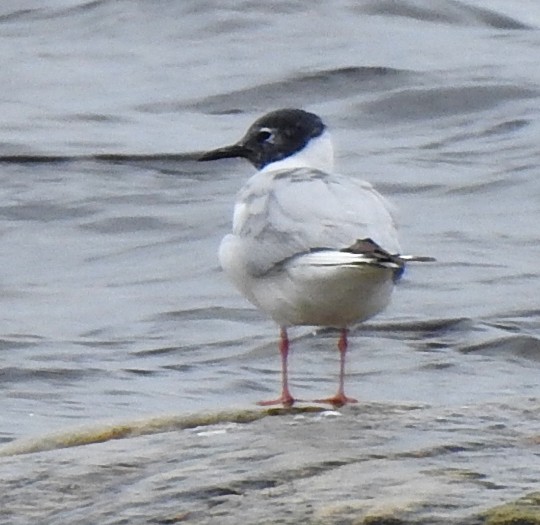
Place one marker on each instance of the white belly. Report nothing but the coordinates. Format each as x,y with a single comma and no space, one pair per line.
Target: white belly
335,297
299,293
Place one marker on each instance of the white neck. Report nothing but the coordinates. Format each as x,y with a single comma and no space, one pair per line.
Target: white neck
318,154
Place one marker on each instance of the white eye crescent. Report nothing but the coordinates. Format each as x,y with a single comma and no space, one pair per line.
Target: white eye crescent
265,135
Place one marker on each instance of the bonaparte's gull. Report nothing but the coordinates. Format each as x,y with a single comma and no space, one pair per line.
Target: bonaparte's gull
308,246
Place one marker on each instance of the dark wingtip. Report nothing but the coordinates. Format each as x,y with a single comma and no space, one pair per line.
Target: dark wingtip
417,258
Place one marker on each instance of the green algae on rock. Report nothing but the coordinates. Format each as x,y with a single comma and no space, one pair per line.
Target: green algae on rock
101,433
524,511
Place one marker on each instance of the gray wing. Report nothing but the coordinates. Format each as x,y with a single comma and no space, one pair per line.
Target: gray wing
281,214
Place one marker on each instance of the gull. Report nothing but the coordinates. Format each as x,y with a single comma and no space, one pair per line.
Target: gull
309,247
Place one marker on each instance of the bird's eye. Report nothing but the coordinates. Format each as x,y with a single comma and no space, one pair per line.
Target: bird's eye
264,135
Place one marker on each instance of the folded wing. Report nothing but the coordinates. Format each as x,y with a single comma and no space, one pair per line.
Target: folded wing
282,214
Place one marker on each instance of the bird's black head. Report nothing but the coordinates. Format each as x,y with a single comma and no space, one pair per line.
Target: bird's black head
275,136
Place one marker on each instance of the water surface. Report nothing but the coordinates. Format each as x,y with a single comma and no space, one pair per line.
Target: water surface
113,305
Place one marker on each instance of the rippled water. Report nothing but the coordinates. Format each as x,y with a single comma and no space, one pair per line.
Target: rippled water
113,305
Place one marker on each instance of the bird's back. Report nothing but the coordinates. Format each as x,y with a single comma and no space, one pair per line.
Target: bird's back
281,214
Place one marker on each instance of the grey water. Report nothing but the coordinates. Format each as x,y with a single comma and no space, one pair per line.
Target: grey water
112,303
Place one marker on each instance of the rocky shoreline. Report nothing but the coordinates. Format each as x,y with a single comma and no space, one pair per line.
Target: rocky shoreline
372,464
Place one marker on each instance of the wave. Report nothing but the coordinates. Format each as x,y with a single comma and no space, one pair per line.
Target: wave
301,90
448,12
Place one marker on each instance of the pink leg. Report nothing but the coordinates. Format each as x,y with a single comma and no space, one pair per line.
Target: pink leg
285,399
340,398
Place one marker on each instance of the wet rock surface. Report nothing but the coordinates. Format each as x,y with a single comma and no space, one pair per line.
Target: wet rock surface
368,464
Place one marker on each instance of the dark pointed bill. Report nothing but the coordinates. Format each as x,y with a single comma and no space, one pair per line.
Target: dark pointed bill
227,152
